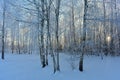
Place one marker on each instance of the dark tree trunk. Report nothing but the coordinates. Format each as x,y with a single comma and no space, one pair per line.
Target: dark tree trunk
84,36
4,10
81,63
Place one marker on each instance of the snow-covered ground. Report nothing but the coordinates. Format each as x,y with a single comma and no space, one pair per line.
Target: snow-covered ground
27,67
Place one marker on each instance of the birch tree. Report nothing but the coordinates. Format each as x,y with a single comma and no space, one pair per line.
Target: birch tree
57,8
48,43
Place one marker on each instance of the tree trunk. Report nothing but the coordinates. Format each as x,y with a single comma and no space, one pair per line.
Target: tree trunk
84,36
4,11
57,35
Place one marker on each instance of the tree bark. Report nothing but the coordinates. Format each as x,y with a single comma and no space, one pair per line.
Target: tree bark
3,30
84,36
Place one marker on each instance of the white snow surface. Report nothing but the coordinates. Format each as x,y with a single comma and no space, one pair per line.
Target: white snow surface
27,67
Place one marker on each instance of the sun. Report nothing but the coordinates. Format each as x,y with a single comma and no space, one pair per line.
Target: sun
108,38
